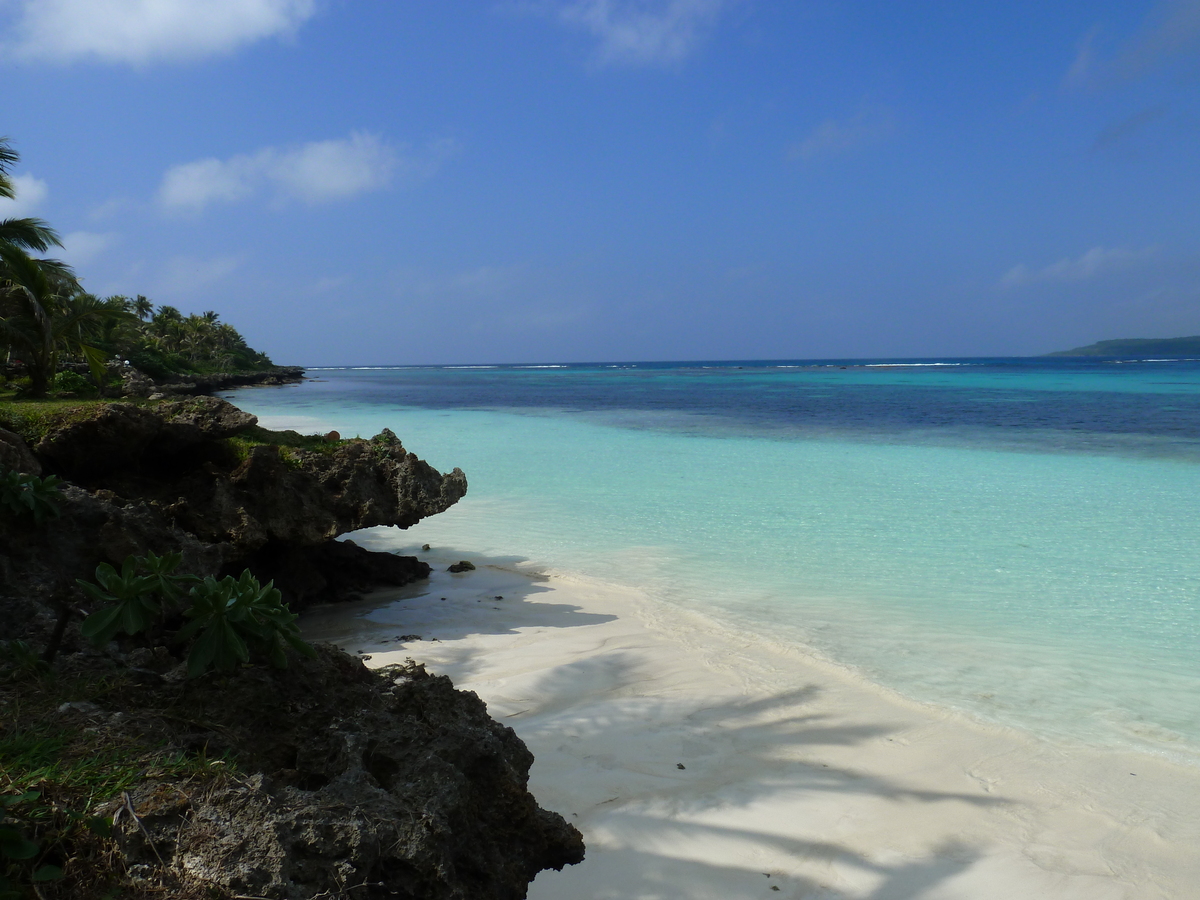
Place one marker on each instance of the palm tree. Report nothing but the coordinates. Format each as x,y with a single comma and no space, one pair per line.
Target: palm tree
30,294
30,288
44,313
32,235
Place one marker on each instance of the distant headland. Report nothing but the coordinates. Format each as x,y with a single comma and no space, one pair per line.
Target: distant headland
1180,346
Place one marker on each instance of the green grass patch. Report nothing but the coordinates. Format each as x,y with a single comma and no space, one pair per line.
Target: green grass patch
62,772
288,443
33,419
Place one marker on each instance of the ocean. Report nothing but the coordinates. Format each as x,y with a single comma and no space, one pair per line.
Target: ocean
1018,539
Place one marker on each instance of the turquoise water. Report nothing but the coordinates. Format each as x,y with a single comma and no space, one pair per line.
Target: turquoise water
1017,539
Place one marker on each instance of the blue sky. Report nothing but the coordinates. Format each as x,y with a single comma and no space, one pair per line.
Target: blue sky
565,180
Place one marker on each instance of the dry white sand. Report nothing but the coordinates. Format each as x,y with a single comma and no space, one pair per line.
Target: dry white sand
705,764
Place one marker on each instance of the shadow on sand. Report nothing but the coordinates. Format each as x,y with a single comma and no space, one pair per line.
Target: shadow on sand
446,606
739,755
655,777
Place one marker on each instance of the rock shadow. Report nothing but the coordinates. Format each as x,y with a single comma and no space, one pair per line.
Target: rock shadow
497,597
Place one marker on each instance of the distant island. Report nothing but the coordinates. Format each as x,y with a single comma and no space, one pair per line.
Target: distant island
1180,346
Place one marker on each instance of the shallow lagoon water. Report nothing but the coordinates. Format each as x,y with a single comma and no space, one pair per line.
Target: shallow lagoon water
1014,538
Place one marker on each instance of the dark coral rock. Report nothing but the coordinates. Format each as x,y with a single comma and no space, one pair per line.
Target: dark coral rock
333,571
112,438
16,455
371,784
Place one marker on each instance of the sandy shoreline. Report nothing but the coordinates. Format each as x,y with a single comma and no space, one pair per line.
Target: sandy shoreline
702,763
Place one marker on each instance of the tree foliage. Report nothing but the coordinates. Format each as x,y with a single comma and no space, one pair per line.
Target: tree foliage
48,319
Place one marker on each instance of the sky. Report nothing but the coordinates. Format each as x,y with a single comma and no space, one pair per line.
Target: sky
377,183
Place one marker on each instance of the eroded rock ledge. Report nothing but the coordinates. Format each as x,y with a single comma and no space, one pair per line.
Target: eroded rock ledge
198,475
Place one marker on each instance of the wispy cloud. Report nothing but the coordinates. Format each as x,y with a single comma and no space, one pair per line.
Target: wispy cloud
1085,59
1118,131
317,172
1172,30
644,32
1093,263
81,247
144,31
513,299
835,136
30,193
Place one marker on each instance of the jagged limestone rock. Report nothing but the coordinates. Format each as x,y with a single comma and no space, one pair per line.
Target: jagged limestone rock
390,784
15,454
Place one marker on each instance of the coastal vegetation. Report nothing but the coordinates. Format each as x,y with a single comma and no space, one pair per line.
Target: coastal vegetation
57,337
226,622
1139,347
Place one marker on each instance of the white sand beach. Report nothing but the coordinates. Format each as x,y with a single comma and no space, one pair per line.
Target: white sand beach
705,764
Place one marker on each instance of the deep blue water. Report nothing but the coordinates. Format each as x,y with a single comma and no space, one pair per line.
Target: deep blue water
1049,404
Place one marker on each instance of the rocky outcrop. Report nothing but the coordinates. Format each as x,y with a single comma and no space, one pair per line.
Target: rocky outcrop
338,781
196,475
135,383
118,437
16,455
332,571
307,497
206,384
248,496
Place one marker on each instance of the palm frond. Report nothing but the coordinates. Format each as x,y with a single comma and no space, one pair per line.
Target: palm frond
8,158
30,234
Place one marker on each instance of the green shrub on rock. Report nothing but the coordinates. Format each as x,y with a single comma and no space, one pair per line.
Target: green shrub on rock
132,598
28,494
235,615
230,619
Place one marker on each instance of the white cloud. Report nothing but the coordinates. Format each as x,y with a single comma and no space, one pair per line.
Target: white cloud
196,184
81,247
1091,264
30,192
110,208
332,170
834,136
327,284
641,32
318,172
142,31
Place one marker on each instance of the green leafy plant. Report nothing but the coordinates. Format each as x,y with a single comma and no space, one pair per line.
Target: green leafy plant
28,494
230,619
133,598
233,616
